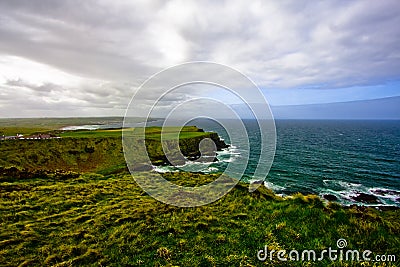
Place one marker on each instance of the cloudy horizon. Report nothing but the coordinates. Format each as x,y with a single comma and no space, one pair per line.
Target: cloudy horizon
74,58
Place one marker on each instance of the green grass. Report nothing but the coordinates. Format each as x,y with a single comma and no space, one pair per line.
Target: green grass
75,154
12,131
91,134
101,220
155,133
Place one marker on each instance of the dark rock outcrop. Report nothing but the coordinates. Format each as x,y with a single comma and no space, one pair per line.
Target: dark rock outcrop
330,197
366,198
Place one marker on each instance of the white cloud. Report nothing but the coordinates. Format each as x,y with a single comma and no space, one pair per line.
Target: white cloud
94,53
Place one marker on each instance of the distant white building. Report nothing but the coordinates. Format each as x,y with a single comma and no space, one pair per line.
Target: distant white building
30,137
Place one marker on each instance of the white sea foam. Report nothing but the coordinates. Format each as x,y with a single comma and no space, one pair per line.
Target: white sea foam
273,187
349,195
349,191
224,151
385,193
349,185
342,184
211,170
163,169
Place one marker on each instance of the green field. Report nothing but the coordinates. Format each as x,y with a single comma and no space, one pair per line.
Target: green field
72,202
98,220
150,133
91,133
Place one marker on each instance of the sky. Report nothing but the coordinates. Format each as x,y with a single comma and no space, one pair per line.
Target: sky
88,58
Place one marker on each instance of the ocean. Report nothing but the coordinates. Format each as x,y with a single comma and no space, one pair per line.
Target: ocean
348,161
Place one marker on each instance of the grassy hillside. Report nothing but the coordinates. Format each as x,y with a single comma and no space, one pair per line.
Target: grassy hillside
94,154
98,220
94,151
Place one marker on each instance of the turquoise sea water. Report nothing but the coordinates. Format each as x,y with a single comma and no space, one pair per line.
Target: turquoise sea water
336,159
